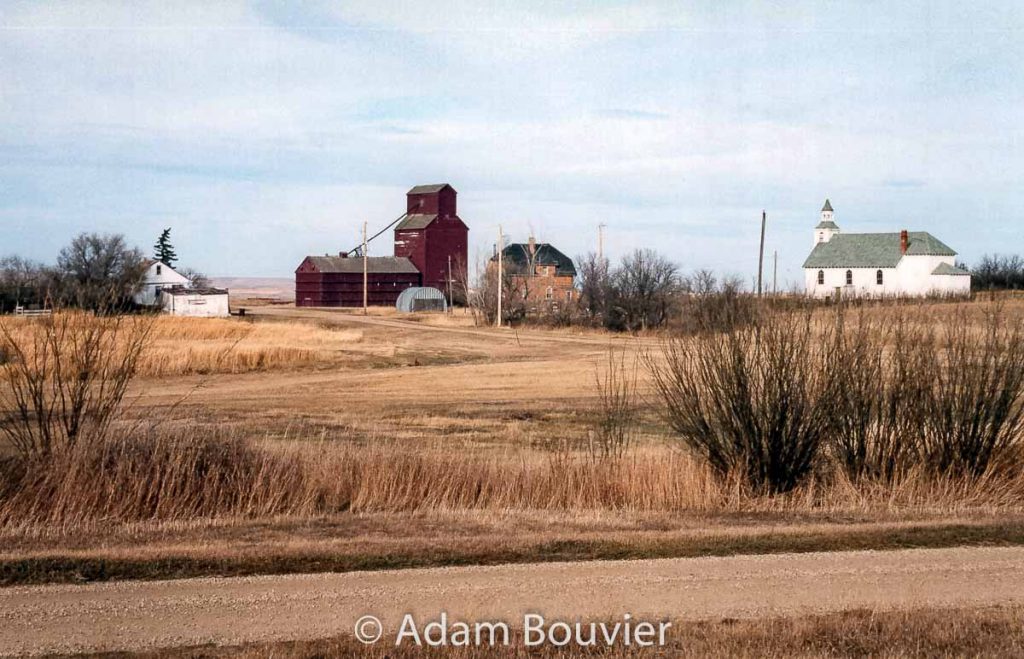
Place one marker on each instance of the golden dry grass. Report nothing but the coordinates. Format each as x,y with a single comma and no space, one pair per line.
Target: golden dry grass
180,478
183,346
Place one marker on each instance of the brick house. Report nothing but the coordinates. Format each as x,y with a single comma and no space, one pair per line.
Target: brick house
538,274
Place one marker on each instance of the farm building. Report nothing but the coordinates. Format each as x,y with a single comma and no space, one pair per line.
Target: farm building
539,273
897,264
337,281
195,302
421,298
159,276
431,244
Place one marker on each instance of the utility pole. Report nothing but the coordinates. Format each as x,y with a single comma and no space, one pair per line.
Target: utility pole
366,277
760,257
600,241
775,274
450,283
501,275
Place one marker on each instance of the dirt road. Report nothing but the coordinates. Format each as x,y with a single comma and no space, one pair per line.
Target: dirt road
138,615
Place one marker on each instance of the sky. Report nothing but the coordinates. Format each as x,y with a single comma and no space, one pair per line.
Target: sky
261,132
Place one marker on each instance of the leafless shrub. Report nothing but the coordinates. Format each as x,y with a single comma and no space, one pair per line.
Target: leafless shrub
755,400
881,397
66,378
976,412
710,305
615,425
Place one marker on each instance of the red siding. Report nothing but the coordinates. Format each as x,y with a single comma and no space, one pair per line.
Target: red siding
432,203
336,289
412,244
446,236
429,248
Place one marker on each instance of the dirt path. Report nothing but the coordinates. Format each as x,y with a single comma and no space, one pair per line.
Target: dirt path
138,615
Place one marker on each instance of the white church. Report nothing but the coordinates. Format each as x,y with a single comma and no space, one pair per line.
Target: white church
900,264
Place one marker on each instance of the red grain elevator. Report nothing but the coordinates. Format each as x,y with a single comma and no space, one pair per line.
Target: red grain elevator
431,232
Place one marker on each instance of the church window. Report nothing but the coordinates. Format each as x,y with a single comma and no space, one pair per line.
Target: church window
849,277
879,278
821,277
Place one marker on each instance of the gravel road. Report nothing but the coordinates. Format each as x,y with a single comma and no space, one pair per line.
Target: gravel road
146,615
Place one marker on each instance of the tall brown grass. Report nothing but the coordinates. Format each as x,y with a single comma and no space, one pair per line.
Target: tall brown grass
178,477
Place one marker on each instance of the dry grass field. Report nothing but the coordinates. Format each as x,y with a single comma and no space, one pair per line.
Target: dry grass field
329,440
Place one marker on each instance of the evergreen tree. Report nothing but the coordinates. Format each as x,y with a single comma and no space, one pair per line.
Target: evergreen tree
163,250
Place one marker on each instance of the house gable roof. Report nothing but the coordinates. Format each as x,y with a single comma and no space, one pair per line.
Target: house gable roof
354,265
873,250
519,254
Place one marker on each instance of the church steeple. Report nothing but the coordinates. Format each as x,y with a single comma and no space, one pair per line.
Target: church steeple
826,227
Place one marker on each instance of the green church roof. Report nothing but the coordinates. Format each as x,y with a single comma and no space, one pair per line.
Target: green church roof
827,224
873,250
827,206
947,269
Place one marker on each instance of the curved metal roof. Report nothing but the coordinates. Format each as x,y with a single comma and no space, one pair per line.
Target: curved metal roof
421,298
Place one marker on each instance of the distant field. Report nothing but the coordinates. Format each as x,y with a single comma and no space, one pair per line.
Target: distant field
271,288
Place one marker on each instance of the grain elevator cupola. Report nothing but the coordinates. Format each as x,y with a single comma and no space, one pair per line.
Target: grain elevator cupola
431,235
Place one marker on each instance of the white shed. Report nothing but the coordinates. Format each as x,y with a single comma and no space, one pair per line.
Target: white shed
195,302
158,277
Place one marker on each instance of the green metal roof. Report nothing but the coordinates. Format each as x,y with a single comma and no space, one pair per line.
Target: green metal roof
947,269
829,224
519,254
827,206
873,250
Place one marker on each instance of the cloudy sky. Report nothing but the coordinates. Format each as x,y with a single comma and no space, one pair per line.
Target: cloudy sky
262,132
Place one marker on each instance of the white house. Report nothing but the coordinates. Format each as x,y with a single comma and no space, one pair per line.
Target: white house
195,302
158,277
903,263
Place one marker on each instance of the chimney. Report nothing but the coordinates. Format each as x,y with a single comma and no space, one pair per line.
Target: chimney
904,241
533,246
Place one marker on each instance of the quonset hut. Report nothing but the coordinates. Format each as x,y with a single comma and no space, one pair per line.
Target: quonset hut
429,238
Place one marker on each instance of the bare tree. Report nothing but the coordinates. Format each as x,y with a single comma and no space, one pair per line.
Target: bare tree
594,274
23,282
100,271
644,286
195,278
702,282
67,377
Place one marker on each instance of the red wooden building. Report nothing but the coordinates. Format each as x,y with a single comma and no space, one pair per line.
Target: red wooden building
428,237
431,232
